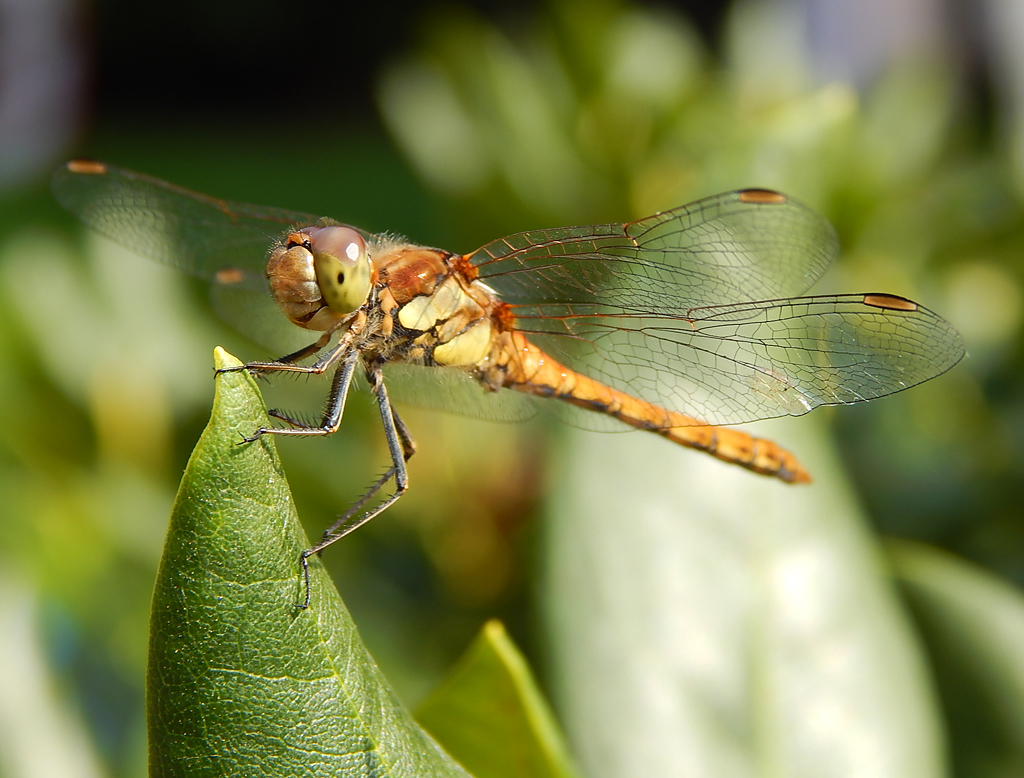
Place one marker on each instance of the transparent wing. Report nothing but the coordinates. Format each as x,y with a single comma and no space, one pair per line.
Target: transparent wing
250,309
193,232
455,390
747,245
223,242
657,307
653,307
738,363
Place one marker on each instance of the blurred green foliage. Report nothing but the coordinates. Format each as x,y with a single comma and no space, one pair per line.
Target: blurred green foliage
489,714
591,111
972,624
604,111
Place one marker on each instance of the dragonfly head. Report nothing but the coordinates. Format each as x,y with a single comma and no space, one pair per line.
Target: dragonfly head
320,275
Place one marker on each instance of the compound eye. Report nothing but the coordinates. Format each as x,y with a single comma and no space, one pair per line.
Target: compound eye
342,267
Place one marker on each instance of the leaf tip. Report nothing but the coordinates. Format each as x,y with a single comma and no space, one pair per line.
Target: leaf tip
495,631
222,359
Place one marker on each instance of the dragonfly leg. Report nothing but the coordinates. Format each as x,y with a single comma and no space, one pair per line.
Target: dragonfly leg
277,413
287,359
322,365
332,413
401,447
286,364
408,449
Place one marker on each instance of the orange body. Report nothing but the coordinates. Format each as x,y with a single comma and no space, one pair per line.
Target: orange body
511,361
529,369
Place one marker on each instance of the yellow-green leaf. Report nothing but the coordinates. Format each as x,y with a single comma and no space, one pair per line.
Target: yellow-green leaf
491,716
973,624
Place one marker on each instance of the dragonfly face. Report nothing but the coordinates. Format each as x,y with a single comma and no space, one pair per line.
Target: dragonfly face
319,275
672,324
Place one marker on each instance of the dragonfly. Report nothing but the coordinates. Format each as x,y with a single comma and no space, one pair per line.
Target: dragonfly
676,324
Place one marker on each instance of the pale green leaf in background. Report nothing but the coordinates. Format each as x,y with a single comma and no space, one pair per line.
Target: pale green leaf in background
707,622
490,714
973,625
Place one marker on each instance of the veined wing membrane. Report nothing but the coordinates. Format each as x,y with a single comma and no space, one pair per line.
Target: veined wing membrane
738,363
223,242
253,312
201,235
749,244
456,391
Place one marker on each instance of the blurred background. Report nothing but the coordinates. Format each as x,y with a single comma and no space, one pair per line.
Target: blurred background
457,123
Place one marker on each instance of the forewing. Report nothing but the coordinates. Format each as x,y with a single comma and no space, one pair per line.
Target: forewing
224,242
193,232
750,244
738,363
657,308
248,307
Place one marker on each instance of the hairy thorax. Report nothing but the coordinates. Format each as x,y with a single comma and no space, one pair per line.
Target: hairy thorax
431,309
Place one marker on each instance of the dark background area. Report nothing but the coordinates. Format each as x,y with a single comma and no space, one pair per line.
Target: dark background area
269,59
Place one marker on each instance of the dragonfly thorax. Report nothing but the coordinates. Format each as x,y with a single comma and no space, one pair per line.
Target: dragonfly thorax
320,275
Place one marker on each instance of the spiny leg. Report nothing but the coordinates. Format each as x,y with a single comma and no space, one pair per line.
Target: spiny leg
408,449
332,413
322,365
287,359
277,413
401,447
286,363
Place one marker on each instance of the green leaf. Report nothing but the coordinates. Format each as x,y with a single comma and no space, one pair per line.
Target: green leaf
241,681
490,714
974,627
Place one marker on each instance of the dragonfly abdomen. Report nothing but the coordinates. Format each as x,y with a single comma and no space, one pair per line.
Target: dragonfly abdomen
527,368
